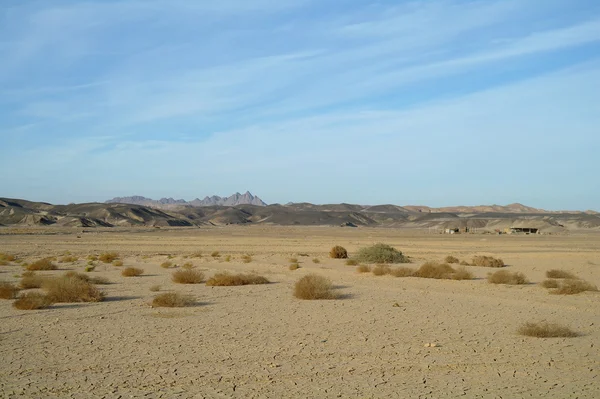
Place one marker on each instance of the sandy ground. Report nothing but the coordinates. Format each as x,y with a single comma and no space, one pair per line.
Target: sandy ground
261,342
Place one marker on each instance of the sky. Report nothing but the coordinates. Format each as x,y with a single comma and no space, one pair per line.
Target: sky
438,102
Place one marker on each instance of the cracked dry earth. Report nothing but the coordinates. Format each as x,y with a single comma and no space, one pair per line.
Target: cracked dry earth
261,342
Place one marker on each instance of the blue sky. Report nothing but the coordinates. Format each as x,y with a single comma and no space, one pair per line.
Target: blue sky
440,102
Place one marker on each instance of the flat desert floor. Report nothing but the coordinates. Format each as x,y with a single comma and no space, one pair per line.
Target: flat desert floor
262,342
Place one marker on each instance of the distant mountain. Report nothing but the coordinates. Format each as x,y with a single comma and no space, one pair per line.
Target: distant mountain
511,208
233,200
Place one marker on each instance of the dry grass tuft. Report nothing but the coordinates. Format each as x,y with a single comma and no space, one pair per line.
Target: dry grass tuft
188,266
402,272
294,266
506,277
227,280
32,301
546,330
68,259
550,283
155,288
228,258
31,280
7,257
117,263
464,263
338,252
85,277
462,274
92,258
42,264
556,273
381,253
166,265
363,269
316,260
381,270
215,254
351,262
196,255
172,300
8,290
293,260
313,286
572,287
188,276
4,262
435,270
451,259
108,257
487,261
246,258
71,289
132,272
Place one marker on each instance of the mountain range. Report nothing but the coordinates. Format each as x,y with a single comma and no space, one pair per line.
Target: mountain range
236,199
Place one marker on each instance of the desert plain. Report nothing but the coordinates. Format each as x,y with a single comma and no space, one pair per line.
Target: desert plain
384,337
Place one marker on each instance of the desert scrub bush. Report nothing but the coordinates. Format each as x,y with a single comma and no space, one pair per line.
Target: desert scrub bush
92,258
363,269
338,252
402,272
316,260
32,301
550,283
462,274
117,263
546,330
293,260
506,277
166,264
381,253
313,286
155,288
563,274
487,261
31,280
451,259
188,276
108,257
7,257
172,300
227,258
351,262
85,277
435,270
90,268
225,279
215,254
572,287
381,270
8,290
71,289
132,272
4,262
196,255
42,264
188,266
68,259
294,266
246,258
464,263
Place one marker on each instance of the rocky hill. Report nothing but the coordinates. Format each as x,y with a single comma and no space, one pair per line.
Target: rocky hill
166,203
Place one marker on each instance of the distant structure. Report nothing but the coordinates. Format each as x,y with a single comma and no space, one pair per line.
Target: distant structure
348,224
457,230
523,230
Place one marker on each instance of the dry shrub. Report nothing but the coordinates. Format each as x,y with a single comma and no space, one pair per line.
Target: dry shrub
228,258
196,255
226,280
42,264
363,269
246,258
85,277
68,259
462,274
487,261
546,330
7,257
215,254
381,253
451,259
172,300
550,283
294,266
8,290
313,286
132,272
351,262
92,258
464,263
31,280
556,273
71,289
166,265
188,266
572,287
155,288
381,270
4,262
32,301
316,260
338,252
108,257
402,272
506,277
293,260
435,270
117,263
188,276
